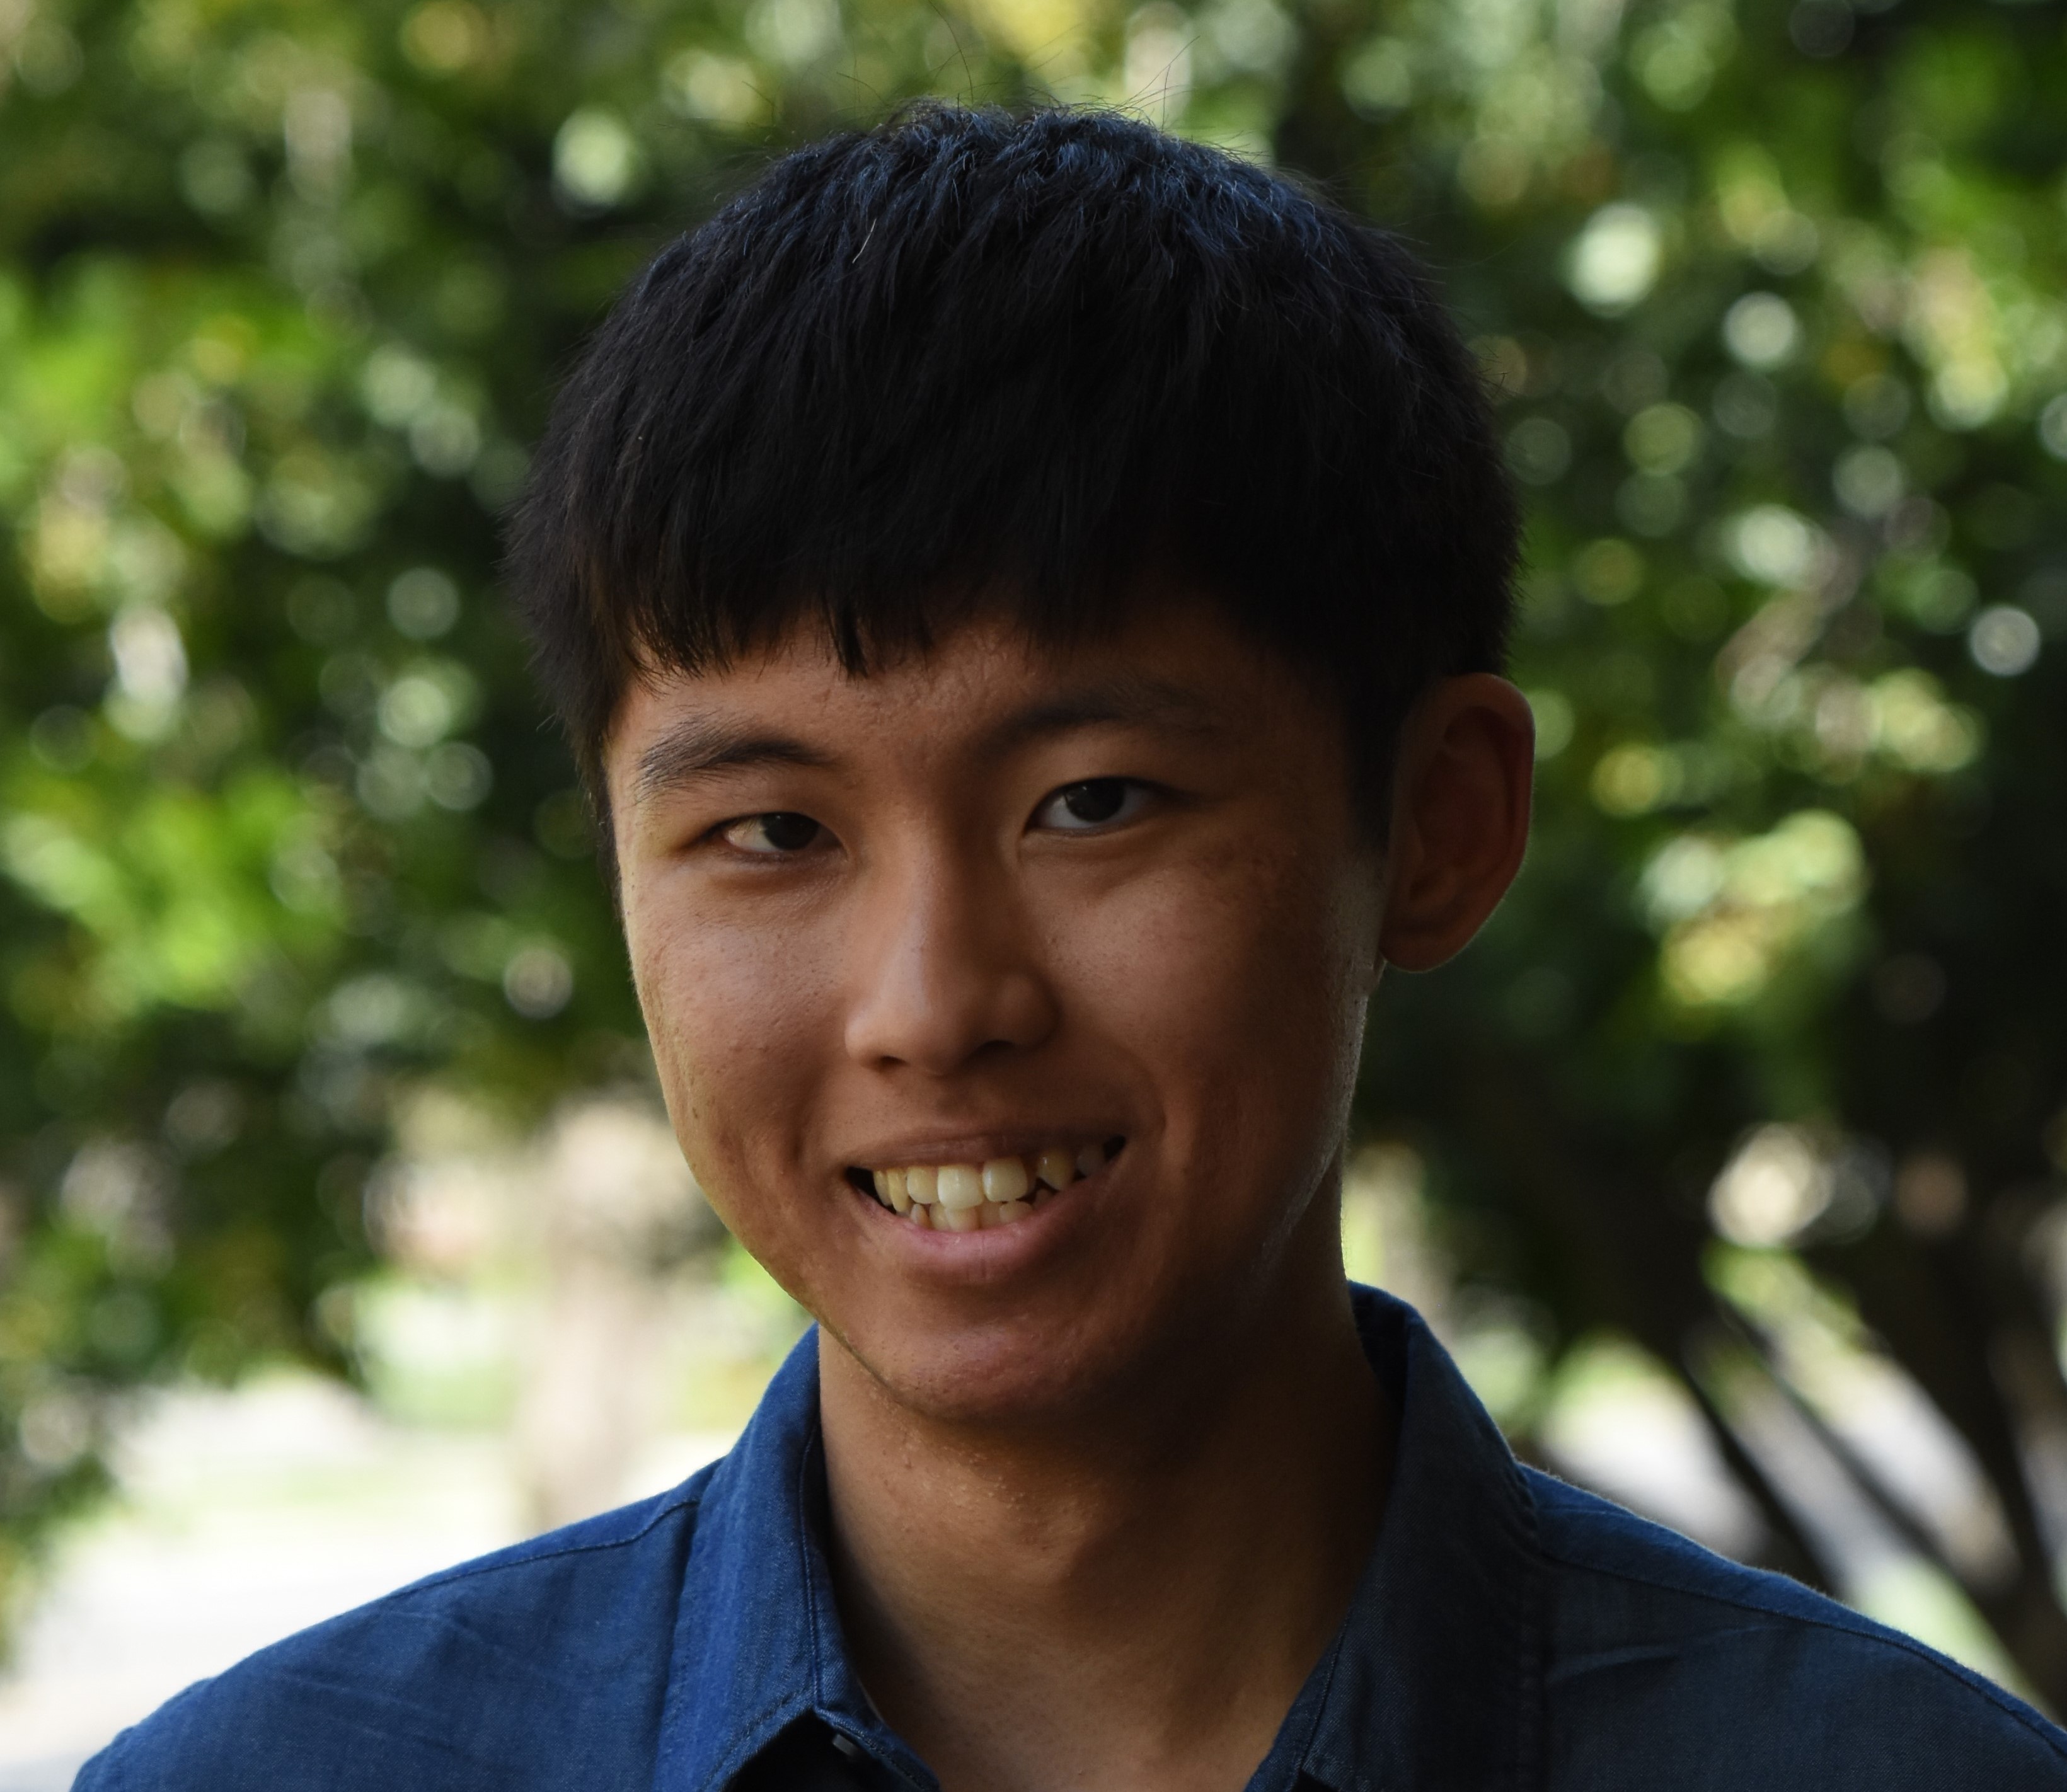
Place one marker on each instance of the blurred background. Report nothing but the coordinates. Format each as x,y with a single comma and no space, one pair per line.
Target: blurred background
340,1236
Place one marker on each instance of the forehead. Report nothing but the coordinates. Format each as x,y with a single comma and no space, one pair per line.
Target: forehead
983,688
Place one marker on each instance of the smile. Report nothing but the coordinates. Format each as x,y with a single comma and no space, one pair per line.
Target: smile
974,1197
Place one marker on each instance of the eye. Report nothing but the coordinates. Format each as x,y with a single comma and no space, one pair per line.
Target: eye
770,836
1095,803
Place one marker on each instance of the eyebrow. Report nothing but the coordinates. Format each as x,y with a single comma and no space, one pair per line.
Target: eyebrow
1119,702
701,746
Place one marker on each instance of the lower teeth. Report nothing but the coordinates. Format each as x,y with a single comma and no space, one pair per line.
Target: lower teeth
981,1218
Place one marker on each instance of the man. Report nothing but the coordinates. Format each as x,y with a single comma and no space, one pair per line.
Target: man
1028,597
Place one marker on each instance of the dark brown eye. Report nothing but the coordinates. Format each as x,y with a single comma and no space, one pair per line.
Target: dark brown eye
1098,800
1094,803
781,832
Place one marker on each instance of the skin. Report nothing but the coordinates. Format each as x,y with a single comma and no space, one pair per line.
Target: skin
1101,1481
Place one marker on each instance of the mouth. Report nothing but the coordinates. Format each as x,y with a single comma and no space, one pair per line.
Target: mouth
975,1196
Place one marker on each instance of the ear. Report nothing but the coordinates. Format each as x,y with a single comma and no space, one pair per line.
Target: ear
1461,799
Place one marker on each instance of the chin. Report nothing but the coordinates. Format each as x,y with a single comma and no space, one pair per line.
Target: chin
995,1371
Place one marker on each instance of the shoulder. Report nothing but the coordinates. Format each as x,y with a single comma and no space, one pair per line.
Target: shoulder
1669,1664
503,1673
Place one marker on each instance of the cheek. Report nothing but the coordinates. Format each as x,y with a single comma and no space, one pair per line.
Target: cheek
1236,979
733,1015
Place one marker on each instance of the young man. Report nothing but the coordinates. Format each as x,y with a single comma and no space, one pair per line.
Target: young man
1028,596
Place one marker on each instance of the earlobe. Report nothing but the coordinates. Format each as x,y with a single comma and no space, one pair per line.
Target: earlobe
1459,819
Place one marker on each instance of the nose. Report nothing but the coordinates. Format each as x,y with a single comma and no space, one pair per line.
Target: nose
949,971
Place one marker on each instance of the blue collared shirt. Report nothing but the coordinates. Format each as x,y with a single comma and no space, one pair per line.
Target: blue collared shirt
1509,1631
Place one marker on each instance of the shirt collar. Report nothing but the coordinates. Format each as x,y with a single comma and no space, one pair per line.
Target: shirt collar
1435,1678
757,1640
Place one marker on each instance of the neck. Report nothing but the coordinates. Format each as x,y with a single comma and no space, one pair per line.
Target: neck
1134,1600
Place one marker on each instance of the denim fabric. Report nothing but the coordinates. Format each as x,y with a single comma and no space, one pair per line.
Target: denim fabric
1509,1631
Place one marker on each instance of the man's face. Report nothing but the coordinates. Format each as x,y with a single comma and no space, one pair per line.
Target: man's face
1009,906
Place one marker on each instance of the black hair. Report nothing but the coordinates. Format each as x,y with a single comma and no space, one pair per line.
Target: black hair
968,358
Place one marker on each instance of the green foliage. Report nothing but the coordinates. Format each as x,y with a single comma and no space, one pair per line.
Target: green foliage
1771,301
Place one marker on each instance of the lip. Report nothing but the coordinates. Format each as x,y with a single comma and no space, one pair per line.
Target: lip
979,1148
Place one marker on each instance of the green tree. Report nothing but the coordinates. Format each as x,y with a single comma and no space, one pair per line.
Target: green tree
1770,299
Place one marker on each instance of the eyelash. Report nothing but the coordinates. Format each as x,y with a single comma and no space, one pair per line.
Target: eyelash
1132,792
724,829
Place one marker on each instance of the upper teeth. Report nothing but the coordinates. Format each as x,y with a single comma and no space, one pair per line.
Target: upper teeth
964,1197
